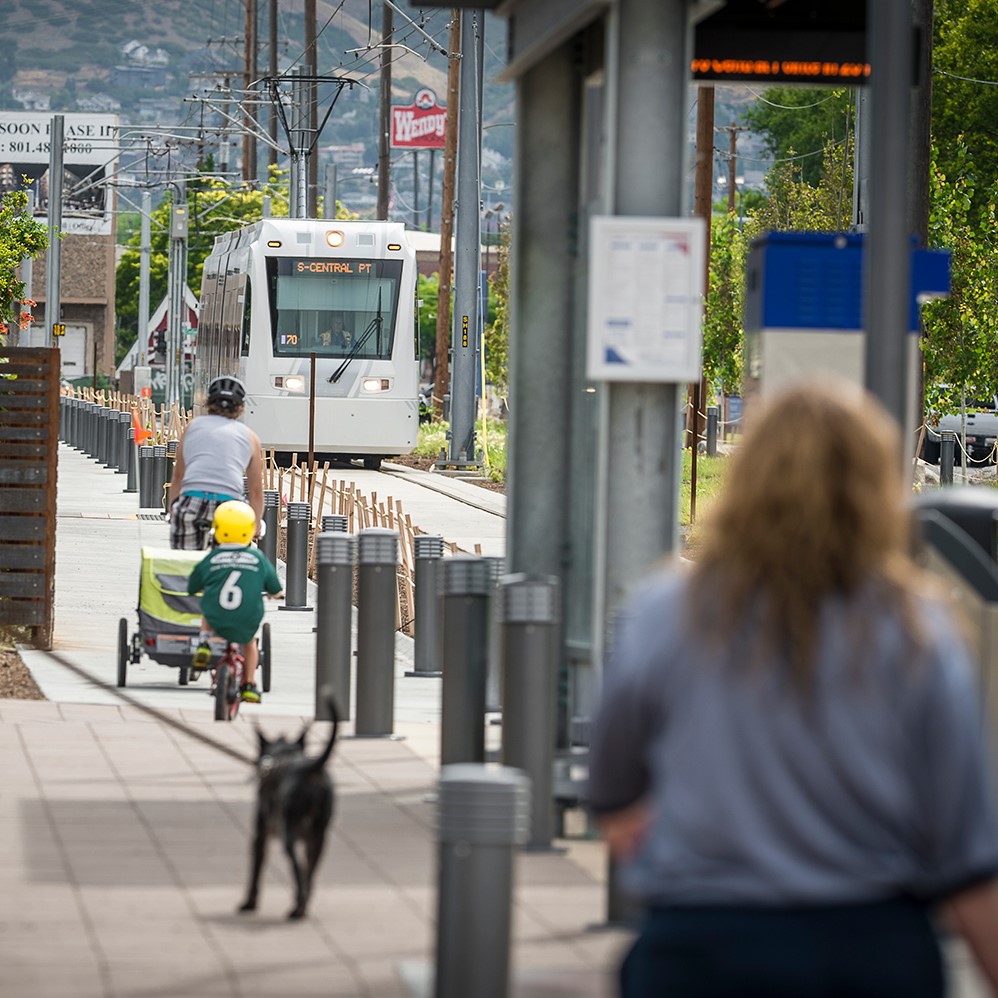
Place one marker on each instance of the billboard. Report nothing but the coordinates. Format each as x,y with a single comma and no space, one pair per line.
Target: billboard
419,125
90,152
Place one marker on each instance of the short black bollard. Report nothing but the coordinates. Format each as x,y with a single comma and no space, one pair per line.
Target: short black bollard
493,673
171,458
335,554
530,612
428,551
124,425
101,454
113,438
296,556
159,475
63,409
464,596
271,522
947,456
377,595
133,461
147,488
445,408
92,418
335,523
482,815
712,431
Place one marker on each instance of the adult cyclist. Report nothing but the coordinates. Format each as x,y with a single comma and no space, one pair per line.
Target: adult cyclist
214,454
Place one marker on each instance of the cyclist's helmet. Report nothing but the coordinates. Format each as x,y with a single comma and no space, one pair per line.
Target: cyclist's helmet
234,522
226,392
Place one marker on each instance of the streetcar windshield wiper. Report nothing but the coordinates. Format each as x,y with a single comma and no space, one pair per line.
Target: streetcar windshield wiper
374,324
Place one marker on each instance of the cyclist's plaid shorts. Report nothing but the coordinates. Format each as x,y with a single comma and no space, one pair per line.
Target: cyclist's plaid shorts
190,522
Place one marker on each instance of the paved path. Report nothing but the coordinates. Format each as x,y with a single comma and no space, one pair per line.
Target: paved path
124,838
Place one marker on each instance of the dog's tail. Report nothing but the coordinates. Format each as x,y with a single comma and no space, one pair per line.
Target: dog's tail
320,760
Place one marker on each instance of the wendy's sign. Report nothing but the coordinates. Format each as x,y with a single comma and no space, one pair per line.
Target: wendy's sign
419,125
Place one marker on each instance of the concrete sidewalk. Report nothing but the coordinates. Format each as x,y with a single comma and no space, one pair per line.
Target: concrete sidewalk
125,839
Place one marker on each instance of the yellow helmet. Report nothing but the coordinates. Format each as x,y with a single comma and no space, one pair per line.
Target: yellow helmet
234,522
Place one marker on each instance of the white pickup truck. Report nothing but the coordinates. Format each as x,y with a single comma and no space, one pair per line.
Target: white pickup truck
981,431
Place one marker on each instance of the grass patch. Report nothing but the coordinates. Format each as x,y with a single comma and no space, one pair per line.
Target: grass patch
490,439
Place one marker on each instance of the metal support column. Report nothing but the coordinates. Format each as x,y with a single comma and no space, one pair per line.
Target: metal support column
468,252
53,266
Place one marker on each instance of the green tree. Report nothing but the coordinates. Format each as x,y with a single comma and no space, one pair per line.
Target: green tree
964,105
21,237
497,331
722,330
961,331
801,123
794,203
428,292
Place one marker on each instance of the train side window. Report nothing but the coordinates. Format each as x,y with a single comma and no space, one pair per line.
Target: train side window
247,308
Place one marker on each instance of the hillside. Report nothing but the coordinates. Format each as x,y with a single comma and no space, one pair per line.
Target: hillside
141,60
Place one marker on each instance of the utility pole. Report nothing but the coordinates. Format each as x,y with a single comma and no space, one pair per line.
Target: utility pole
468,252
249,77
384,144
441,376
311,164
53,268
272,70
145,249
177,278
732,131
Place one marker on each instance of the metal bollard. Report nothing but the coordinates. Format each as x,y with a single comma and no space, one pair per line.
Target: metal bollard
101,451
335,554
124,425
947,455
63,409
712,431
109,458
271,519
493,672
91,436
113,438
428,551
133,471
483,815
159,475
296,556
70,418
530,612
464,597
171,458
377,594
147,488
335,522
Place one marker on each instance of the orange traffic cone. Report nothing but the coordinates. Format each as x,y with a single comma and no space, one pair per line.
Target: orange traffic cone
141,433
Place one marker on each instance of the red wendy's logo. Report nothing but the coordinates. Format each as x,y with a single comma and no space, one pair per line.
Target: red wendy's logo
425,99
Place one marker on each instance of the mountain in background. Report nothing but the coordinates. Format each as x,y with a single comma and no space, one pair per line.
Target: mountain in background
145,61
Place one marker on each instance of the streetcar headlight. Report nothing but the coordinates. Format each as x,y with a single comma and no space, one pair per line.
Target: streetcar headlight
334,238
290,382
376,384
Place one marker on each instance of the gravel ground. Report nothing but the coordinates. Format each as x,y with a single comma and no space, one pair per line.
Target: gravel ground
15,680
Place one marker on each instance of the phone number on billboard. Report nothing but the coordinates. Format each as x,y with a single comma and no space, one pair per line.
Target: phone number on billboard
29,147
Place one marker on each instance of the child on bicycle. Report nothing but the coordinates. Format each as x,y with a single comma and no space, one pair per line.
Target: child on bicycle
233,578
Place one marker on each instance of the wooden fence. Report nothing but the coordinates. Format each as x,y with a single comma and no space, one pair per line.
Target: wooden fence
29,432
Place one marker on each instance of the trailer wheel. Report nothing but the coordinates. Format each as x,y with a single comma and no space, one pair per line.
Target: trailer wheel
265,656
124,651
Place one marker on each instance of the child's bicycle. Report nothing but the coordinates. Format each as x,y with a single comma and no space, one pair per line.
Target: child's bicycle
227,673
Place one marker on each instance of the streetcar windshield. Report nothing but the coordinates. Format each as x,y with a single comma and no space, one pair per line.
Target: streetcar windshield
333,308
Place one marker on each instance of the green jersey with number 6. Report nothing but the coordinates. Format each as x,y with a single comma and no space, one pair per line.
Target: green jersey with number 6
233,579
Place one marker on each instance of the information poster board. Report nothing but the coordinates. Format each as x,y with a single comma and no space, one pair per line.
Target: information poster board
646,291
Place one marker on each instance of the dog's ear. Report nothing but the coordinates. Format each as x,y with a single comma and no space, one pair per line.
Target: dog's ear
262,740
304,734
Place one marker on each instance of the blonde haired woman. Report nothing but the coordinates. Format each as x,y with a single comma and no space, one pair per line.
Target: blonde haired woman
790,759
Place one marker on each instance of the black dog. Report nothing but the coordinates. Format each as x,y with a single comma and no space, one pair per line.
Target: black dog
294,803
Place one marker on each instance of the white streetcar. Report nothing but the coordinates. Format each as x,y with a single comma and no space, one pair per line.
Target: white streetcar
282,295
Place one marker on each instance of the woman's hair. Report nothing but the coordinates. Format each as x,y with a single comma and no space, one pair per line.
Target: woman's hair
813,506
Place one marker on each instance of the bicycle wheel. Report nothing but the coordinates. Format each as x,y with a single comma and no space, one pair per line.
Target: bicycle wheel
123,651
265,656
184,675
222,692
